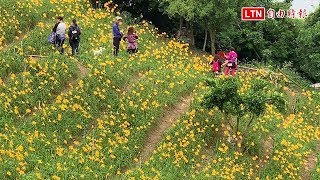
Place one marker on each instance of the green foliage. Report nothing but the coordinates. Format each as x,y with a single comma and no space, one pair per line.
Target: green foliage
182,8
222,92
280,37
270,40
314,18
230,98
308,51
274,41
218,14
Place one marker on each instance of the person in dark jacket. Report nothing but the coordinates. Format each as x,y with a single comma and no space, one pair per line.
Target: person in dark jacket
117,35
74,37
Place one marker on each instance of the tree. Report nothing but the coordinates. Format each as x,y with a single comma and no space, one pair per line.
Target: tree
220,15
215,15
309,52
241,107
270,40
184,10
212,15
313,18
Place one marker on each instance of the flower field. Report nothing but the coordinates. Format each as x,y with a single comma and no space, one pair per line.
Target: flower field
89,117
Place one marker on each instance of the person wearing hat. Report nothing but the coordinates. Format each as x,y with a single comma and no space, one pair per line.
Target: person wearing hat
117,35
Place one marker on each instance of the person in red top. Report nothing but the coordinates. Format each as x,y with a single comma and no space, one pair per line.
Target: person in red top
231,62
216,64
132,39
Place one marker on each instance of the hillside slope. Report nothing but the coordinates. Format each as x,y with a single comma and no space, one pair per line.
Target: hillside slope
93,117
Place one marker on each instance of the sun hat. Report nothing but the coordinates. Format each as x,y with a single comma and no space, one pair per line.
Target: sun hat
118,18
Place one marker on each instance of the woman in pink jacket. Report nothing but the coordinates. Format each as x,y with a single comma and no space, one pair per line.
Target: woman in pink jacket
231,63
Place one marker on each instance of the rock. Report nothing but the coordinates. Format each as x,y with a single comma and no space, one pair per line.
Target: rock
317,85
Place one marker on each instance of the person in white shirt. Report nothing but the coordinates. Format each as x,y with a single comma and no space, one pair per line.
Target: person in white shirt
60,30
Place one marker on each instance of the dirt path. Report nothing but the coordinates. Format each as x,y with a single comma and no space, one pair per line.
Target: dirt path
267,151
83,71
310,164
164,124
292,100
21,37
5,47
135,78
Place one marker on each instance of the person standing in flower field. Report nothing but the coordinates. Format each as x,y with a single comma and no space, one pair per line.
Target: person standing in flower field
216,64
231,62
60,30
74,37
132,38
117,35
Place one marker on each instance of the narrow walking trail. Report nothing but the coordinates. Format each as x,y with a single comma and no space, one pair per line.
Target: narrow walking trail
311,163
92,126
83,72
17,41
267,146
135,78
170,117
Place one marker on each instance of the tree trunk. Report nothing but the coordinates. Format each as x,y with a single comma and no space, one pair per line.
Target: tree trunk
213,40
237,126
179,33
93,4
205,41
192,39
181,24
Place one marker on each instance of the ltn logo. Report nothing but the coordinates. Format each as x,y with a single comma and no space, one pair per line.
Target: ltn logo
253,14
259,13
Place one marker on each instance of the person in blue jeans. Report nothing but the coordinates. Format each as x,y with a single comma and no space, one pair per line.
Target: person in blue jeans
74,37
60,30
117,35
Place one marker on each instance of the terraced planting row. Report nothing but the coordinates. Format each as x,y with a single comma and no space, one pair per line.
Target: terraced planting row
65,121
200,143
92,116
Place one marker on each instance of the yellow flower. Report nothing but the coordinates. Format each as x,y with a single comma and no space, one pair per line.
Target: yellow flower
223,148
54,177
20,148
168,137
214,172
59,151
79,126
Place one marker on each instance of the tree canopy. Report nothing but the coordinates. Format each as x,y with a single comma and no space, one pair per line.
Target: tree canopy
276,41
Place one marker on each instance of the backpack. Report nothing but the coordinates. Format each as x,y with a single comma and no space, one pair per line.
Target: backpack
75,33
52,39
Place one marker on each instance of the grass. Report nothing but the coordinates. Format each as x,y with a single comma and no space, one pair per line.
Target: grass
97,128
